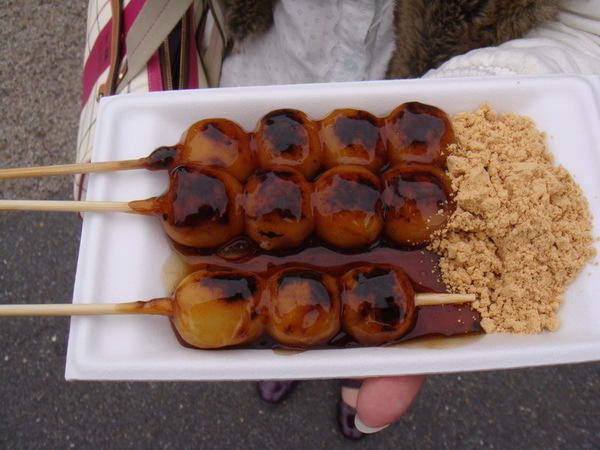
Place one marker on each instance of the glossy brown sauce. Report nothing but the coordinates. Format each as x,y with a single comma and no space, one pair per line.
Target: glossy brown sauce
421,267
276,192
416,132
413,135
205,220
284,133
432,325
418,200
350,205
213,204
163,158
413,132
347,200
352,137
419,264
347,191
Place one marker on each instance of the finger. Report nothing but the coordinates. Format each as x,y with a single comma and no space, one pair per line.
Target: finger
383,400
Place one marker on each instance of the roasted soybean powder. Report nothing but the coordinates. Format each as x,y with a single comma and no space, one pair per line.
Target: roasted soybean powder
522,227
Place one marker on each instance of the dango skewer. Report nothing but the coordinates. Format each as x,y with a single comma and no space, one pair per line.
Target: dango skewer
298,307
413,132
347,206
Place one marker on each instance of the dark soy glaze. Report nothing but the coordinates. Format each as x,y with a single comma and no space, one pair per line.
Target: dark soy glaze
219,142
304,307
278,209
421,267
206,220
418,200
413,132
413,135
416,132
377,304
351,136
347,206
289,137
217,307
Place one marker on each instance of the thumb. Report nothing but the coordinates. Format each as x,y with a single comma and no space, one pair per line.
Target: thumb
383,400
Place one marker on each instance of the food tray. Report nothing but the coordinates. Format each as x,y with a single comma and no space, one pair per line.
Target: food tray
123,257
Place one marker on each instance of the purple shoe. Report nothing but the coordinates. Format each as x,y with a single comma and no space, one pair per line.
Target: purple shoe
346,415
275,391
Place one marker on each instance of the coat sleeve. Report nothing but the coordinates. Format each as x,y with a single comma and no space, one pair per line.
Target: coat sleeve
571,44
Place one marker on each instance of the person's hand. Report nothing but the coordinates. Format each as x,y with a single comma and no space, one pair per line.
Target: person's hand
383,400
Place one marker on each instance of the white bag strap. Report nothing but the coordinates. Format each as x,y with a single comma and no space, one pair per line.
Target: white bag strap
213,44
108,87
152,26
156,20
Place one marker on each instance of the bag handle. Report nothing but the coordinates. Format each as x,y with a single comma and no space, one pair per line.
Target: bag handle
155,21
151,27
109,87
214,43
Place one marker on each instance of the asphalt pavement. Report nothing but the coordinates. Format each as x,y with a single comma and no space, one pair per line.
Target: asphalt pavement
40,70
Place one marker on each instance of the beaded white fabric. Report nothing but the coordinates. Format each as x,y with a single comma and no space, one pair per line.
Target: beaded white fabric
317,41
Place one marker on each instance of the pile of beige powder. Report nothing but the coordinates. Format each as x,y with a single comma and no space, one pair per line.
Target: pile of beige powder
522,228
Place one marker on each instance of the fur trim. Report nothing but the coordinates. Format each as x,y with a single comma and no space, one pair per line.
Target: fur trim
429,32
245,19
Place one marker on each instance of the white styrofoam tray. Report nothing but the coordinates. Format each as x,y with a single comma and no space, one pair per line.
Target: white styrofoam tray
123,256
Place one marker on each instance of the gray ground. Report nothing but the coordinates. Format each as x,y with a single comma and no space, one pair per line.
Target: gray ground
40,67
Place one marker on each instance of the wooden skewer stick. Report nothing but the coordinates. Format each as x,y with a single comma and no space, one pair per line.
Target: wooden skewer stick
425,299
71,169
67,309
65,205
160,306
163,306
